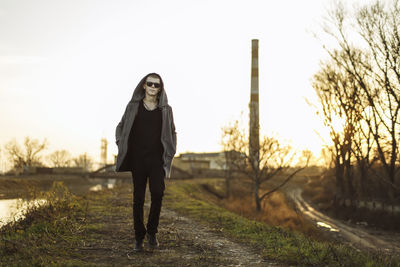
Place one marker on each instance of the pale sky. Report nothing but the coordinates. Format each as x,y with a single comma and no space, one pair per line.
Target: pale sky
68,68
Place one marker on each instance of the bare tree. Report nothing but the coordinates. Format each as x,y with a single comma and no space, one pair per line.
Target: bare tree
362,85
60,158
232,155
374,70
83,161
28,155
307,156
379,27
327,157
338,94
275,160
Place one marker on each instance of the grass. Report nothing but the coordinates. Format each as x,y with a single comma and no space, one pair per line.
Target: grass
97,230
273,242
319,191
69,230
276,209
48,232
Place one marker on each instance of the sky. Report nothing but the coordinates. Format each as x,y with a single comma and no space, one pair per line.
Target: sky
68,68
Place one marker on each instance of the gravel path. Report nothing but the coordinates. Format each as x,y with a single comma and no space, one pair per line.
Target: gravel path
353,235
183,242
210,242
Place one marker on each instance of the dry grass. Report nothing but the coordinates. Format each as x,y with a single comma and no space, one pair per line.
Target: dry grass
320,191
276,210
290,247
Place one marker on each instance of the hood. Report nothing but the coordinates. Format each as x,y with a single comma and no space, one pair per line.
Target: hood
138,93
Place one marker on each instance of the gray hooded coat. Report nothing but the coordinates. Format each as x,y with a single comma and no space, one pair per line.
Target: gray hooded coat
168,134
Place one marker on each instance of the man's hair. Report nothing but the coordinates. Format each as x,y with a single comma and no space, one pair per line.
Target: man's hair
154,76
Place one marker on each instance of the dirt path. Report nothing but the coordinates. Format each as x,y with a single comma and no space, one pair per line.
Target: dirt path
183,242
354,235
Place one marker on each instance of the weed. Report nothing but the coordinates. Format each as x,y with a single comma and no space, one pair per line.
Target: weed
274,242
47,228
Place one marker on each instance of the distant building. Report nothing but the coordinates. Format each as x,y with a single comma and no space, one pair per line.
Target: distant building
190,165
209,160
56,170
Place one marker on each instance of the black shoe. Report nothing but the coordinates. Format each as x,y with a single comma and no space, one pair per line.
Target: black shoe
139,245
152,240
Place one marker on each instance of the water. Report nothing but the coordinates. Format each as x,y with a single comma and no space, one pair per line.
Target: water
109,183
329,227
14,209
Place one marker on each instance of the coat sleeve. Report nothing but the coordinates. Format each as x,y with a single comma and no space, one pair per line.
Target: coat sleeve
120,126
173,131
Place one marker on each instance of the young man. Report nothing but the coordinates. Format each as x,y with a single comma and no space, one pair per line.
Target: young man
146,140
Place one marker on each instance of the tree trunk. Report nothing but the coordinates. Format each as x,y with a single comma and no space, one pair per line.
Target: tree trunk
339,180
349,181
391,191
363,177
257,196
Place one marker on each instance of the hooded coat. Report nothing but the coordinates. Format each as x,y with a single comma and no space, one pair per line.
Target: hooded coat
124,127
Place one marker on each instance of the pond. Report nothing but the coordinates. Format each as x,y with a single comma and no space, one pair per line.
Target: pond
103,183
14,209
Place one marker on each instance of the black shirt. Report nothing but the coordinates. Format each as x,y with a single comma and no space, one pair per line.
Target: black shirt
145,135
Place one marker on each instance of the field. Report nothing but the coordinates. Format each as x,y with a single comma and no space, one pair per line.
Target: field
95,229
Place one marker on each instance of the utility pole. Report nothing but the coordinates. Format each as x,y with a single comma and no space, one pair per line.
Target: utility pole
254,136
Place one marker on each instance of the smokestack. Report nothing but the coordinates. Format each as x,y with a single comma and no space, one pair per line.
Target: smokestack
254,139
103,149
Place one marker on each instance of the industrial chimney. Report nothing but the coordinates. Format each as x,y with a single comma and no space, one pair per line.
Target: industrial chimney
103,153
254,139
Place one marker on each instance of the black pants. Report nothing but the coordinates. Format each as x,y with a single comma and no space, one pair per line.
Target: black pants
150,168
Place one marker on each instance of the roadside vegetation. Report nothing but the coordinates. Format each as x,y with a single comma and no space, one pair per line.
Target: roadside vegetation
276,209
273,242
50,230
97,229
318,191
357,86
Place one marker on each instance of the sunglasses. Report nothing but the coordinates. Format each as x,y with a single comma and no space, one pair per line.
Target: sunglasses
150,84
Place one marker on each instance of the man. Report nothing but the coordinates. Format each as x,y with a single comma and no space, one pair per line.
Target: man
146,141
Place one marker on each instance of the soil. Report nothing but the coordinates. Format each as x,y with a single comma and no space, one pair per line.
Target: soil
355,235
183,242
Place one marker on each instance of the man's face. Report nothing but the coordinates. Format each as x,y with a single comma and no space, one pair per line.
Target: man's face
152,86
